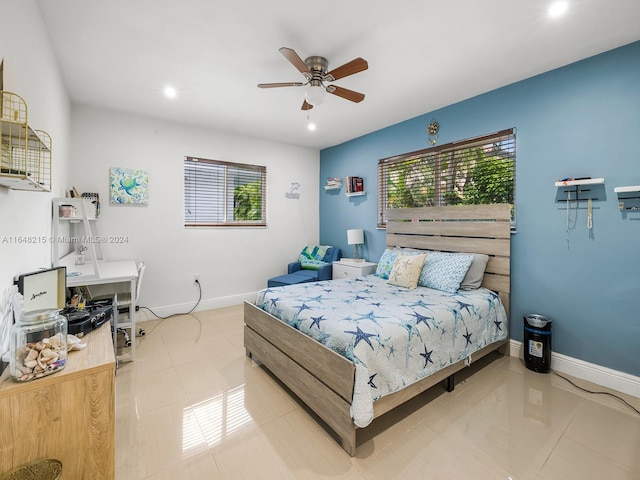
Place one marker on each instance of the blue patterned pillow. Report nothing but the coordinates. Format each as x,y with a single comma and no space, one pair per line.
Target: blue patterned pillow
444,271
385,264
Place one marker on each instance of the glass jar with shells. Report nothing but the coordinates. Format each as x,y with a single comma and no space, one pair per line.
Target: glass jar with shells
38,345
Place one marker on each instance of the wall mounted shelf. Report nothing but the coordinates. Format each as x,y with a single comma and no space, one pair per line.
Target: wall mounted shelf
355,186
574,192
631,189
625,194
25,153
333,183
586,181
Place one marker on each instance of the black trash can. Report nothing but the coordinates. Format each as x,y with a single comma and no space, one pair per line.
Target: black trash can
537,343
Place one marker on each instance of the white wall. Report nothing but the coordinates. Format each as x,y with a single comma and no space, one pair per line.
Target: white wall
31,71
233,263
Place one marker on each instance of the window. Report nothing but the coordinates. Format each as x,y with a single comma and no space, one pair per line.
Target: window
224,194
469,172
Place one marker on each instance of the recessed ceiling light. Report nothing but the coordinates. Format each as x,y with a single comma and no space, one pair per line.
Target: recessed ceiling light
557,9
311,126
170,92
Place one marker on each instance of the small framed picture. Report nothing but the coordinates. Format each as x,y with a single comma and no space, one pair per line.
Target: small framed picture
128,186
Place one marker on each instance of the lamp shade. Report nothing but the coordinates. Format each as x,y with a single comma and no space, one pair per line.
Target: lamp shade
315,94
355,236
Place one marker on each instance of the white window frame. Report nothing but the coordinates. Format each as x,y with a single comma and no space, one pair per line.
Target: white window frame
210,188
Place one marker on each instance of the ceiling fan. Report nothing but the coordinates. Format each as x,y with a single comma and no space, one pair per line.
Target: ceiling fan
315,72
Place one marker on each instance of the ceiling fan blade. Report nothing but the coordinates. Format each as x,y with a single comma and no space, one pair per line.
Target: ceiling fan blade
354,66
356,97
296,61
306,106
275,85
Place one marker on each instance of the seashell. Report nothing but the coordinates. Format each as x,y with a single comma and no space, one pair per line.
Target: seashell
24,370
51,360
41,362
47,352
38,369
32,355
56,341
39,346
25,377
31,363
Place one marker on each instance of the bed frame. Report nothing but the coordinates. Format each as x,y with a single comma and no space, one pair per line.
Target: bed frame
323,379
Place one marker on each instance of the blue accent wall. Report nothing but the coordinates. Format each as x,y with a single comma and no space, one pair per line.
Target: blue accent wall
577,121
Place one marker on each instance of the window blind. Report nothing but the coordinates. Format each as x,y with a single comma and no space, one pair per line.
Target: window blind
474,171
218,193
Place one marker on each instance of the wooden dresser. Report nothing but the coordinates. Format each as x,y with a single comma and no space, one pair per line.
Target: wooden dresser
69,415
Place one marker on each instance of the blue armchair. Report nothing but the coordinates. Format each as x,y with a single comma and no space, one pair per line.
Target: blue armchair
297,274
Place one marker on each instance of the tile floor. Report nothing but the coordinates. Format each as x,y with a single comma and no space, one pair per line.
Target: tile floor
194,406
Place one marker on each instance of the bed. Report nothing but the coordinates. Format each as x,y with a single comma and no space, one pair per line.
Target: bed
340,387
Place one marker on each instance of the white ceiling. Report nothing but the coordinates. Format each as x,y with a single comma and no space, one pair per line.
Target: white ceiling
422,55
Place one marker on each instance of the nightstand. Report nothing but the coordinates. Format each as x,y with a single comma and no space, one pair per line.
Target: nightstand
346,268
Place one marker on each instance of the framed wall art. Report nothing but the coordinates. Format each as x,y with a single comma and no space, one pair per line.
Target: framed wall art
128,186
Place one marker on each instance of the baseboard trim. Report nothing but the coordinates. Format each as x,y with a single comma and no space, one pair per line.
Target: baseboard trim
619,381
208,304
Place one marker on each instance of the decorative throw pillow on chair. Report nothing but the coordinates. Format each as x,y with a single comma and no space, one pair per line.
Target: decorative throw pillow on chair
311,257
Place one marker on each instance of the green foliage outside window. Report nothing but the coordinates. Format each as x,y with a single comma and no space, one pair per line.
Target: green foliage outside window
492,180
410,185
247,201
469,172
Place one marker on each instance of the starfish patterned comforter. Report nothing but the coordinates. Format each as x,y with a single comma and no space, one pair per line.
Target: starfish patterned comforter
393,335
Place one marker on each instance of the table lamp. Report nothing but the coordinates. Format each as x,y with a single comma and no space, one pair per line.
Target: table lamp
355,237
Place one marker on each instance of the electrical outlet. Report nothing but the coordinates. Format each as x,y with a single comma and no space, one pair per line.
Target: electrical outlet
196,278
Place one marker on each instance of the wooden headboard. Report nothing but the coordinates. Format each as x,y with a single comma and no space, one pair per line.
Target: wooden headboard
470,228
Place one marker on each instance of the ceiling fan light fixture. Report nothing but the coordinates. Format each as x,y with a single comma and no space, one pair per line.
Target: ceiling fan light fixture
170,92
315,94
558,9
314,69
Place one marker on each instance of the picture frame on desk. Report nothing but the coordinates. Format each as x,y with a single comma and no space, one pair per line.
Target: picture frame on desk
43,289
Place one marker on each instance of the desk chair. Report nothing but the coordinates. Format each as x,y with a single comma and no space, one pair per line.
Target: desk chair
124,304
120,296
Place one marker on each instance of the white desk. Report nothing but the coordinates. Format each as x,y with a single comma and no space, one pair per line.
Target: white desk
116,271
109,272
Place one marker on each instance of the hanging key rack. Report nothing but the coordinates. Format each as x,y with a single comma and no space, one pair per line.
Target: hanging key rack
626,195
578,190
